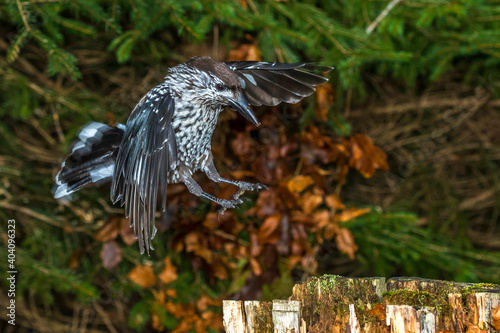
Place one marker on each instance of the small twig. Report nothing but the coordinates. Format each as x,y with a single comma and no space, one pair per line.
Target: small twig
31,213
36,124
57,125
381,16
230,237
23,16
105,318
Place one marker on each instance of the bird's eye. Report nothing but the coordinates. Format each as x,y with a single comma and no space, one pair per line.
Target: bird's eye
219,87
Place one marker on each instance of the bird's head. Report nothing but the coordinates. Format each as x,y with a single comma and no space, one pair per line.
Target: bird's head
220,87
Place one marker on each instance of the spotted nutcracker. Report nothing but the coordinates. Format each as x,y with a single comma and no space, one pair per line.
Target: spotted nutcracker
168,134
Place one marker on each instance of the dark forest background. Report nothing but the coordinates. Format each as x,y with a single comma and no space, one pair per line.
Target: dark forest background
391,169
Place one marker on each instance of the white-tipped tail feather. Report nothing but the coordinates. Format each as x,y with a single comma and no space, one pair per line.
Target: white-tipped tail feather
92,159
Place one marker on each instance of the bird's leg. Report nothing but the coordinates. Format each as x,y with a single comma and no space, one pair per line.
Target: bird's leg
214,175
196,189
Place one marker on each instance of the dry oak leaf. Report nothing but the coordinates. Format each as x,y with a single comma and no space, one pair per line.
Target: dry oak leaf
310,202
143,276
330,230
111,255
212,319
333,201
255,266
365,156
324,100
110,230
169,273
126,232
322,218
379,311
268,230
345,242
495,314
193,244
159,296
299,183
246,52
204,301
172,293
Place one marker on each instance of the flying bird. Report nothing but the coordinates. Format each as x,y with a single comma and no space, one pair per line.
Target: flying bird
168,135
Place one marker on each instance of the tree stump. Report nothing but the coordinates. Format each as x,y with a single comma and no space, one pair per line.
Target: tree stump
336,303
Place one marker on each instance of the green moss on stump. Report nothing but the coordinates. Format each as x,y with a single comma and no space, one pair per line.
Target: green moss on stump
417,298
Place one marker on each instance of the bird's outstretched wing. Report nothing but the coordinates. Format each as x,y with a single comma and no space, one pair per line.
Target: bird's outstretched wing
270,83
147,152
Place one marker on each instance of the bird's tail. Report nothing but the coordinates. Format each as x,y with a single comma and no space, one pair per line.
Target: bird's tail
92,158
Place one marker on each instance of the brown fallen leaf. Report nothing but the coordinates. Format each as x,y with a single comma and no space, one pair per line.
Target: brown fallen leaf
310,201
143,276
220,271
299,183
255,266
169,273
111,255
365,156
110,230
246,52
351,213
345,242
333,201
322,218
268,231
324,101
496,317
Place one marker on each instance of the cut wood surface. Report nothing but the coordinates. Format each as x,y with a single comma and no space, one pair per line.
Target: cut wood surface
337,304
286,316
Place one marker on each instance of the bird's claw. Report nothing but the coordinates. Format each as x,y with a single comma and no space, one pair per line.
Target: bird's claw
233,202
226,204
237,198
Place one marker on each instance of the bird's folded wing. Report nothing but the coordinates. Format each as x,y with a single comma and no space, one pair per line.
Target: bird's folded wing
270,83
147,152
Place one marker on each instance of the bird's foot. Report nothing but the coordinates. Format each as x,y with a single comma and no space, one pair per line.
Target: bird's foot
233,202
226,204
237,198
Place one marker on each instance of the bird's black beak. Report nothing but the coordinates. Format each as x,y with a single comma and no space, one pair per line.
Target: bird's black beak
243,106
